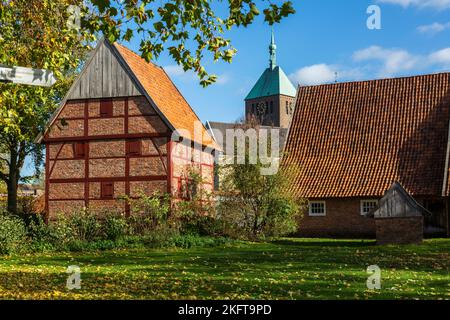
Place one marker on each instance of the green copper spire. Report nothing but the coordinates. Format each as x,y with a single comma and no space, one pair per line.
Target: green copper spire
273,52
273,81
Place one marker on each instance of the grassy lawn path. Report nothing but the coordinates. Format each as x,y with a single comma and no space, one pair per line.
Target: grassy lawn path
285,269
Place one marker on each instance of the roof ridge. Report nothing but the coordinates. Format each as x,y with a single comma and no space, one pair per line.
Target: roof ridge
136,54
158,66
377,80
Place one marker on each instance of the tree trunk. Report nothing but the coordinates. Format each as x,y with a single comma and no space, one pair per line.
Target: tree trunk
12,183
255,225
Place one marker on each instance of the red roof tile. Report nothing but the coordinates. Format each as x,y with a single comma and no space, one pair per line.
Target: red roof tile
357,138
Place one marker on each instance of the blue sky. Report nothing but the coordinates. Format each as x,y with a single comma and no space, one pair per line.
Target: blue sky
324,37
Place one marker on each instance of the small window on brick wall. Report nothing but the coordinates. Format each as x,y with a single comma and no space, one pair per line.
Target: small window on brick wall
79,150
134,148
368,205
107,190
317,208
106,108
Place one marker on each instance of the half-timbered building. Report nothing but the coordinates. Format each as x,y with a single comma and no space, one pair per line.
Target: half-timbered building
123,129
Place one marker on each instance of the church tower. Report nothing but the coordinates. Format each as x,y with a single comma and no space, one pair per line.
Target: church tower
271,100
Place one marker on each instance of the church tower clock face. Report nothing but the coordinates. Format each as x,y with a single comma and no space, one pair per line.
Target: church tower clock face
261,109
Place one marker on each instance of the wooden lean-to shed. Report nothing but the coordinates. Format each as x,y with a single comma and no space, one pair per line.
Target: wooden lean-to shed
113,136
399,218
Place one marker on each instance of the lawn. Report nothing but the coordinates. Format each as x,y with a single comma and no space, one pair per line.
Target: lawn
285,269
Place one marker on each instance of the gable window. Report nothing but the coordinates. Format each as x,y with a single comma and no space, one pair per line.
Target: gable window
107,190
368,205
106,108
287,107
134,148
79,150
317,208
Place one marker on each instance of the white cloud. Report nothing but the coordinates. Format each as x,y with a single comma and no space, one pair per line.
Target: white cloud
393,60
223,79
433,28
176,71
434,4
403,3
373,62
441,57
397,61
323,73
315,74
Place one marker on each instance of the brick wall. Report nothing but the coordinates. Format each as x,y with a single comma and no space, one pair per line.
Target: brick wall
343,219
408,230
279,117
74,182
187,160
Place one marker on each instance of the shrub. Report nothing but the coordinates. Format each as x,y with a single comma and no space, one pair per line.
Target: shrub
187,241
13,234
115,226
198,217
160,236
42,235
148,213
196,214
62,230
257,203
30,206
152,223
284,221
85,225
81,226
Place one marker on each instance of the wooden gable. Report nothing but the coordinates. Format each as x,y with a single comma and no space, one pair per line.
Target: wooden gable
103,77
398,203
113,72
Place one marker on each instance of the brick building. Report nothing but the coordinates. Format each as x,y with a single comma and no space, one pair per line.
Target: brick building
112,136
349,142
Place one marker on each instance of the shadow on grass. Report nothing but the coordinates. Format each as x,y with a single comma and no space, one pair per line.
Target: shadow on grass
321,243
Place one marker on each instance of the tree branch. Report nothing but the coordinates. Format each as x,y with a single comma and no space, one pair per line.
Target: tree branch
4,177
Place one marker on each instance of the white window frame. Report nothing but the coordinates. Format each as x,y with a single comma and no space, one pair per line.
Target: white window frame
361,206
311,214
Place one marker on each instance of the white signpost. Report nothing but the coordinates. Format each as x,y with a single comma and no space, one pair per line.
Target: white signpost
27,76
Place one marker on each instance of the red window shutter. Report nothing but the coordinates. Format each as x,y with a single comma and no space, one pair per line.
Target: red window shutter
107,190
134,148
79,149
106,108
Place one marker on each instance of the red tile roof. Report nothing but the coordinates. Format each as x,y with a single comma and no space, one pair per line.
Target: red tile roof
355,139
164,94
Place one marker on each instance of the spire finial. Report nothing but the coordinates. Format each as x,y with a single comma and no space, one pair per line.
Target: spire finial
273,52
